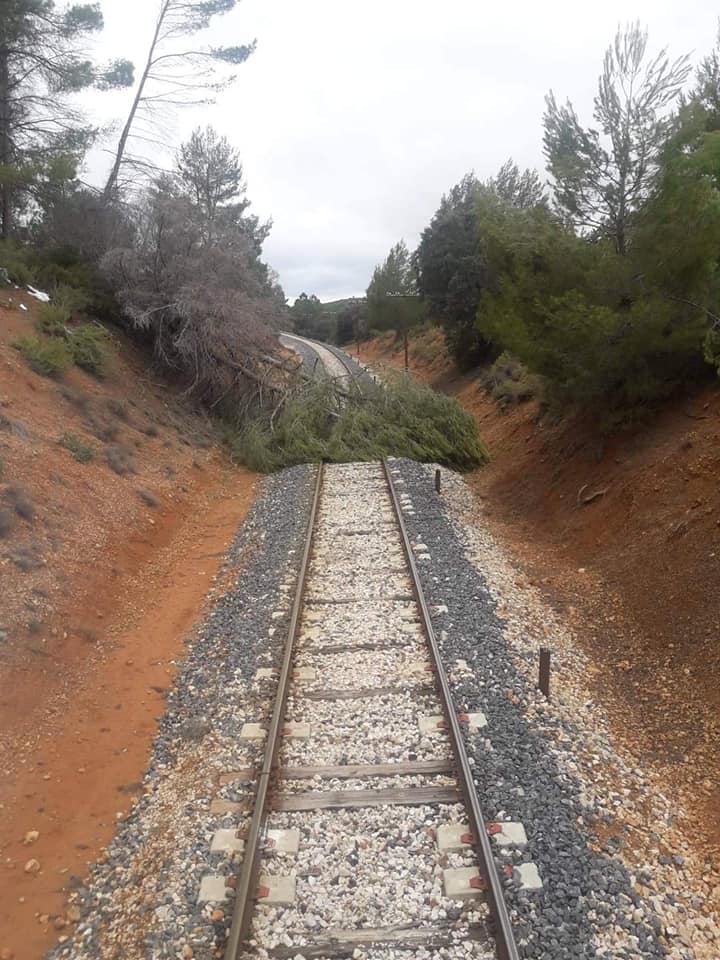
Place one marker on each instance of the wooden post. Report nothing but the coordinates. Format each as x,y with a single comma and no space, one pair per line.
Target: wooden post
544,671
438,478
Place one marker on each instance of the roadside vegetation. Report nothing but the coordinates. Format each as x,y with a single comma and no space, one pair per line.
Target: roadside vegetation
599,292
400,419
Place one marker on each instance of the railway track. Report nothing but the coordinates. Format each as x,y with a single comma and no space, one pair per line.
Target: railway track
367,839
336,364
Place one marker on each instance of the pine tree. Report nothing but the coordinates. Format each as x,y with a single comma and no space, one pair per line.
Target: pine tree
177,73
209,168
42,62
602,176
393,301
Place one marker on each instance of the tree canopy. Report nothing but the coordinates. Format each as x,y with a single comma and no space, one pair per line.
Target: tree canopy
43,135
178,72
601,176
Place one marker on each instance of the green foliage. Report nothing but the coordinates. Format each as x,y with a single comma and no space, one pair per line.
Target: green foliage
509,382
351,320
603,174
89,347
451,271
602,330
310,319
403,419
50,358
428,345
70,299
87,344
711,347
393,301
52,319
80,451
14,259
43,135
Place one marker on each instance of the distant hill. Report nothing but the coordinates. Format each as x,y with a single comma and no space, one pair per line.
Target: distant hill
334,307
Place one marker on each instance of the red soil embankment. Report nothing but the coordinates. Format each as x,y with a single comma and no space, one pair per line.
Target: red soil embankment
119,567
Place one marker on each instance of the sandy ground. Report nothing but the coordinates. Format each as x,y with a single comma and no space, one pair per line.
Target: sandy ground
92,632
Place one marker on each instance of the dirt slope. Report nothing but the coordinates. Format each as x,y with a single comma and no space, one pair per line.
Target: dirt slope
636,570
102,576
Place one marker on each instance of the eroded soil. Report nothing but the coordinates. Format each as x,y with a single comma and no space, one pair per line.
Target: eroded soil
93,627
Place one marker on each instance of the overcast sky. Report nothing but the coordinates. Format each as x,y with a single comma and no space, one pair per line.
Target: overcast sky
353,118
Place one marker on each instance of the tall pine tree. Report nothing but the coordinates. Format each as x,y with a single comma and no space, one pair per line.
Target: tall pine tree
43,61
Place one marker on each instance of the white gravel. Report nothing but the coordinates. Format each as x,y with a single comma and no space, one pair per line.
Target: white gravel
367,868
653,879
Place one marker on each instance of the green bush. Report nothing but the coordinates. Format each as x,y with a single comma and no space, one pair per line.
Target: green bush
52,319
15,260
712,347
429,345
403,419
70,299
509,382
80,451
50,358
89,348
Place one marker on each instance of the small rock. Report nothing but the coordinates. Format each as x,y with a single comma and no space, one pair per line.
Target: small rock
30,837
187,952
217,915
32,866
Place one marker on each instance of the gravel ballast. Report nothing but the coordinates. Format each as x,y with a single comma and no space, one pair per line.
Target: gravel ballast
618,879
142,901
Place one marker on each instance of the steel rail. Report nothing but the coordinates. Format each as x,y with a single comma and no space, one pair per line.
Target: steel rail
356,375
248,878
504,939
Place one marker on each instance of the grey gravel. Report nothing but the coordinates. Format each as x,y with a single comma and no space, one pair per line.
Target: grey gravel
549,765
142,901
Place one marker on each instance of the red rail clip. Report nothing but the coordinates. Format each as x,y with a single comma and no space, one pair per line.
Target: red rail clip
493,828
478,883
467,838
262,891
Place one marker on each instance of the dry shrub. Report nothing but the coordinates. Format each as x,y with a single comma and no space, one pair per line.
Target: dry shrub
7,522
119,409
76,397
148,497
80,451
119,459
20,502
26,558
101,428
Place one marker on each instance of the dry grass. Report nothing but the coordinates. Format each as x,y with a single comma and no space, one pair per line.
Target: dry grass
80,451
7,522
119,459
119,409
148,497
26,558
21,503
